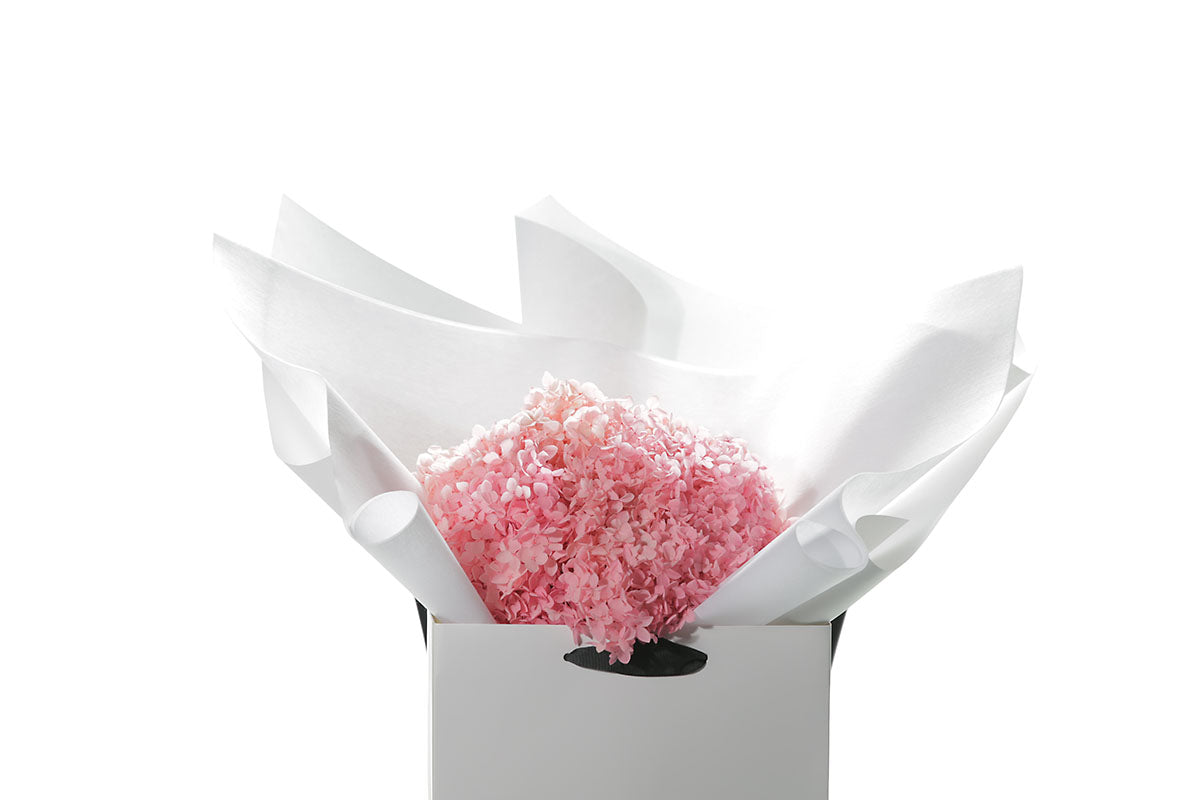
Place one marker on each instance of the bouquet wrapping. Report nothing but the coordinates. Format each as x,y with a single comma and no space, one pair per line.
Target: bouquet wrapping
638,458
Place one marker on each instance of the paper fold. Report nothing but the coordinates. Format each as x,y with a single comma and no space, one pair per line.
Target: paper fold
397,531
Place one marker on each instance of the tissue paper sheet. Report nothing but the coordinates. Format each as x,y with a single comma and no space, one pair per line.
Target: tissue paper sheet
845,433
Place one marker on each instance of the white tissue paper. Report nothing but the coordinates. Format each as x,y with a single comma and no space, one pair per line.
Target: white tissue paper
365,367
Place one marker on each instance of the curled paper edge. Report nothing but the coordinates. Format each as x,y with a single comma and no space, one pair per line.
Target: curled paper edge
396,530
912,515
889,515
320,437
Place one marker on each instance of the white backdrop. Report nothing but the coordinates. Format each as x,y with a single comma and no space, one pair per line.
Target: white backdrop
180,617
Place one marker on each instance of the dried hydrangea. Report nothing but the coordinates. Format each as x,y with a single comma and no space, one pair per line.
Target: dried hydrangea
614,519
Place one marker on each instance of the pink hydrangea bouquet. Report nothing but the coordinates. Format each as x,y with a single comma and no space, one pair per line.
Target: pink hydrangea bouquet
614,519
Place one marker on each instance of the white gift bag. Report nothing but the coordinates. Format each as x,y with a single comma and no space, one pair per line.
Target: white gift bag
511,719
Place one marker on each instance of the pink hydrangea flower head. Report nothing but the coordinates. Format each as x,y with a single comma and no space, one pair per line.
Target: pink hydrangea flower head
614,519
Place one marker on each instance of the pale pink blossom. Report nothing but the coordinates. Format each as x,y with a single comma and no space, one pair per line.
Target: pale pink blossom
614,519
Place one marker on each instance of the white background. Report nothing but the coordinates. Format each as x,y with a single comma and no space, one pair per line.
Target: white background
180,617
